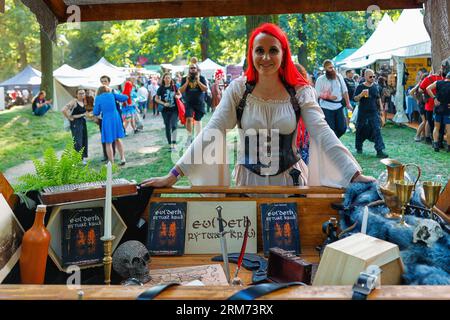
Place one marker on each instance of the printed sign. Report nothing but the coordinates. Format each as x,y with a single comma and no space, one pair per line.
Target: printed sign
202,226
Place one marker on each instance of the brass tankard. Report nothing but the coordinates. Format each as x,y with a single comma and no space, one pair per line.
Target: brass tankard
395,172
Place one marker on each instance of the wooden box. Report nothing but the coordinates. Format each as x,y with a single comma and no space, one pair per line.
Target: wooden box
343,260
54,226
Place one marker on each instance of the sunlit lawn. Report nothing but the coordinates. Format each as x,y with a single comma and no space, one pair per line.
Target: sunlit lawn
24,135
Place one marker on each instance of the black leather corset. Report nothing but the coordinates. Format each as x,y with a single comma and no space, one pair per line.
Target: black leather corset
261,157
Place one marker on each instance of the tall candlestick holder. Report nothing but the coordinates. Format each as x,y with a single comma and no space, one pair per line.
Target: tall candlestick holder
107,259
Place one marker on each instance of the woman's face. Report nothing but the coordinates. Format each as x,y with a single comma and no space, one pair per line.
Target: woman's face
81,94
42,95
167,79
267,54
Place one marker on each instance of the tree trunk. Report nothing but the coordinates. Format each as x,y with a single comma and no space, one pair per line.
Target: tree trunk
46,64
22,53
204,39
302,50
252,22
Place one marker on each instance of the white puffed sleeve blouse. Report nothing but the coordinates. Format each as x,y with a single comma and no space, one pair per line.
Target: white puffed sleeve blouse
330,162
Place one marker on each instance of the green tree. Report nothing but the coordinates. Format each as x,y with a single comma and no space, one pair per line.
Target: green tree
19,42
204,39
85,44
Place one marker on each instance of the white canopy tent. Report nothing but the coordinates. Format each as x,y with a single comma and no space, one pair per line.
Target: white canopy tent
406,38
101,68
208,68
173,69
28,77
372,49
67,79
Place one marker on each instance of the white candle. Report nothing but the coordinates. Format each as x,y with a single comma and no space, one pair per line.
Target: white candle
108,199
364,220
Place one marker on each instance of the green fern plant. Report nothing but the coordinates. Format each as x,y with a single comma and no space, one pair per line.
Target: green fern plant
52,171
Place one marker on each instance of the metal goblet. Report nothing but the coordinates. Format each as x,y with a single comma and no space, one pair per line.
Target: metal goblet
431,190
404,191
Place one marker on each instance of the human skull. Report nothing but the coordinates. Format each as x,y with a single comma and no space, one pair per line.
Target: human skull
130,260
428,231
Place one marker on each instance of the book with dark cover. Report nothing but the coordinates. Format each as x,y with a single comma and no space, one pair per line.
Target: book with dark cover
280,227
167,225
81,233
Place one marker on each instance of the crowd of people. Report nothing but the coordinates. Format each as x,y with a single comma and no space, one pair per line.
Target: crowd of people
363,100
115,110
432,93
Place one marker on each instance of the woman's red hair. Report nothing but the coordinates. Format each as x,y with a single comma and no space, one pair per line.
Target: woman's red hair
288,72
128,87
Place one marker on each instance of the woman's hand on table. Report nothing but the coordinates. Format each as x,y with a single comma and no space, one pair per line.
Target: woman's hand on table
160,182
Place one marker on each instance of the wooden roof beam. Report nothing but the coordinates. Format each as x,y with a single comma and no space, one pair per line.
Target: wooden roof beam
58,7
179,9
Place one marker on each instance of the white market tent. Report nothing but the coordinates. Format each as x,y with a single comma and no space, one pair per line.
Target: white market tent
371,50
208,68
173,69
67,79
27,77
405,38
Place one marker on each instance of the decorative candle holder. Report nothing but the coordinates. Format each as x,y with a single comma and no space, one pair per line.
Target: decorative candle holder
107,259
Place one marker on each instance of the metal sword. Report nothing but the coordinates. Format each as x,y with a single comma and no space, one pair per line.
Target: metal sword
223,244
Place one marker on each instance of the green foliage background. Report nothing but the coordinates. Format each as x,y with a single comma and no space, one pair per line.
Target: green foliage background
166,40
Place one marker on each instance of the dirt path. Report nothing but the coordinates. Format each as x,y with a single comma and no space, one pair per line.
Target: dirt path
146,141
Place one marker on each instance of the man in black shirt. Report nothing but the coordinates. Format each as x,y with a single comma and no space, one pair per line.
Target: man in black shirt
368,121
194,86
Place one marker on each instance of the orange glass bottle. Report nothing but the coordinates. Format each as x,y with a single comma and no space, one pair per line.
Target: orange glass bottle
35,243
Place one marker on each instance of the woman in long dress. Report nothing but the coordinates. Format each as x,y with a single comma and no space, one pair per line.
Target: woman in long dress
266,105
75,112
112,129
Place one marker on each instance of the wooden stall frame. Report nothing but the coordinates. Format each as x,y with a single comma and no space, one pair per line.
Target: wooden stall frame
313,204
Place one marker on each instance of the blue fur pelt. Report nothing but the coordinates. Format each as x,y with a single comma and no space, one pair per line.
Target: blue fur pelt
423,265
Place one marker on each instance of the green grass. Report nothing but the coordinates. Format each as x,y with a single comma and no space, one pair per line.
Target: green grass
400,145
24,136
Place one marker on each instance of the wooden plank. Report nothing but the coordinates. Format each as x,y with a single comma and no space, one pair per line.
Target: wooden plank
58,7
97,292
8,192
290,190
178,9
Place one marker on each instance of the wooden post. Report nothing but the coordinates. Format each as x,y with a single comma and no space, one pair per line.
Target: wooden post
46,64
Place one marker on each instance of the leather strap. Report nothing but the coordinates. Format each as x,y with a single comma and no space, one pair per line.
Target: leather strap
260,290
359,296
249,88
154,291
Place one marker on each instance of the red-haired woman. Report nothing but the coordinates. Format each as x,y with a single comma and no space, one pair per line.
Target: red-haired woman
128,108
267,104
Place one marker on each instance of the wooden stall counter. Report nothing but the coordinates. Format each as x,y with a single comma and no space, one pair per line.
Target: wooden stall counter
97,292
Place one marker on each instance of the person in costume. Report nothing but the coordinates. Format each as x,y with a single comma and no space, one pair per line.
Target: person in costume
266,105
